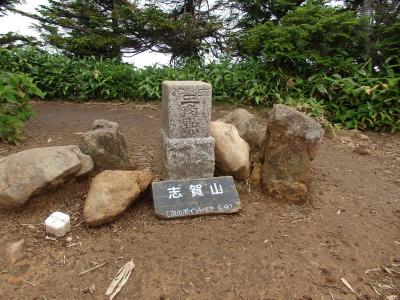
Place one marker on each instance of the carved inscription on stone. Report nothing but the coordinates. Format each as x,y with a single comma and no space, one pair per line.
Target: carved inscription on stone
187,148
190,116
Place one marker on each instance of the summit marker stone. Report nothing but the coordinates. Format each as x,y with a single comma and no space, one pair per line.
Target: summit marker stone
187,149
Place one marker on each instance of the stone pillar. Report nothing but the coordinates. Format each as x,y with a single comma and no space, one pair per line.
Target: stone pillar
187,149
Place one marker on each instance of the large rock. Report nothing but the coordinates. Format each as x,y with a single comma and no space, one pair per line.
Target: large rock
111,193
247,126
106,146
291,143
28,172
232,153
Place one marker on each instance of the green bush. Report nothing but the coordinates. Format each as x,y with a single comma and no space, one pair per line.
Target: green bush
361,98
15,90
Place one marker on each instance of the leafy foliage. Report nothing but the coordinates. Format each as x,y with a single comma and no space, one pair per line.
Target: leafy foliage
15,90
310,39
114,27
7,5
362,99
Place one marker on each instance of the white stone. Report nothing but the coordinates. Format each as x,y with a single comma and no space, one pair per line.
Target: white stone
58,224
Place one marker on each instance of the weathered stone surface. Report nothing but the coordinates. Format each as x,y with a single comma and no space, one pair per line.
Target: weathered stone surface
247,126
256,174
187,157
187,150
186,108
28,172
106,146
111,193
194,197
291,143
232,153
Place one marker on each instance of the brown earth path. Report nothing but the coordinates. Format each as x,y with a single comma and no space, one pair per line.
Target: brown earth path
349,229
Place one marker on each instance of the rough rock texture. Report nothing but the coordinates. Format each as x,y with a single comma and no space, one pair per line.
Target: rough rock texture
111,193
256,174
247,126
28,172
187,150
106,146
291,143
360,143
187,158
186,109
232,153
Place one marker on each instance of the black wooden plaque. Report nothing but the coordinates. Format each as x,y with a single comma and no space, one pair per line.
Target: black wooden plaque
193,197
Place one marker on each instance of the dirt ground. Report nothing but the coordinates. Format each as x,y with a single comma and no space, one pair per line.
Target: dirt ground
349,229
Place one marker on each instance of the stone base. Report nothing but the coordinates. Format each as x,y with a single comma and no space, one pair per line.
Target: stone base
187,158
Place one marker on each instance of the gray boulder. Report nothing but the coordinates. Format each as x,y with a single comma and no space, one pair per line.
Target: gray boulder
248,127
106,146
28,172
291,142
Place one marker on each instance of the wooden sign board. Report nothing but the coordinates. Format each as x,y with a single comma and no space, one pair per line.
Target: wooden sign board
193,197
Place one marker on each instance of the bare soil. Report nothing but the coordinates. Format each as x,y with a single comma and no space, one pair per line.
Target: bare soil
271,250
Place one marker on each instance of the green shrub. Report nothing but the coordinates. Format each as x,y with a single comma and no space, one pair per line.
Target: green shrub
15,90
360,98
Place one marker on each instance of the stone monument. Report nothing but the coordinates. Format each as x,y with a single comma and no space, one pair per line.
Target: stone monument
187,149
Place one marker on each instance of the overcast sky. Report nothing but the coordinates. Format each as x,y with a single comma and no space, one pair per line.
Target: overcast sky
21,25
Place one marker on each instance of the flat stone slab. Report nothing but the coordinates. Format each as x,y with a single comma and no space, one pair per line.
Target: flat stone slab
194,197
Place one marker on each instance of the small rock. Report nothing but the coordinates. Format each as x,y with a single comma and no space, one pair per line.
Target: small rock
357,135
392,297
106,146
292,140
69,239
360,143
12,251
28,172
247,126
112,192
89,290
232,153
58,224
363,148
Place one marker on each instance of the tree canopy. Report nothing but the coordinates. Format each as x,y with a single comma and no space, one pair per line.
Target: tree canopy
7,5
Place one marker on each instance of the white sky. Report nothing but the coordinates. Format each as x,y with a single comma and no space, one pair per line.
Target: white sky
19,24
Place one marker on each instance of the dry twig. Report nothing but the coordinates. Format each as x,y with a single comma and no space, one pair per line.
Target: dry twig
91,269
348,285
311,262
31,283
